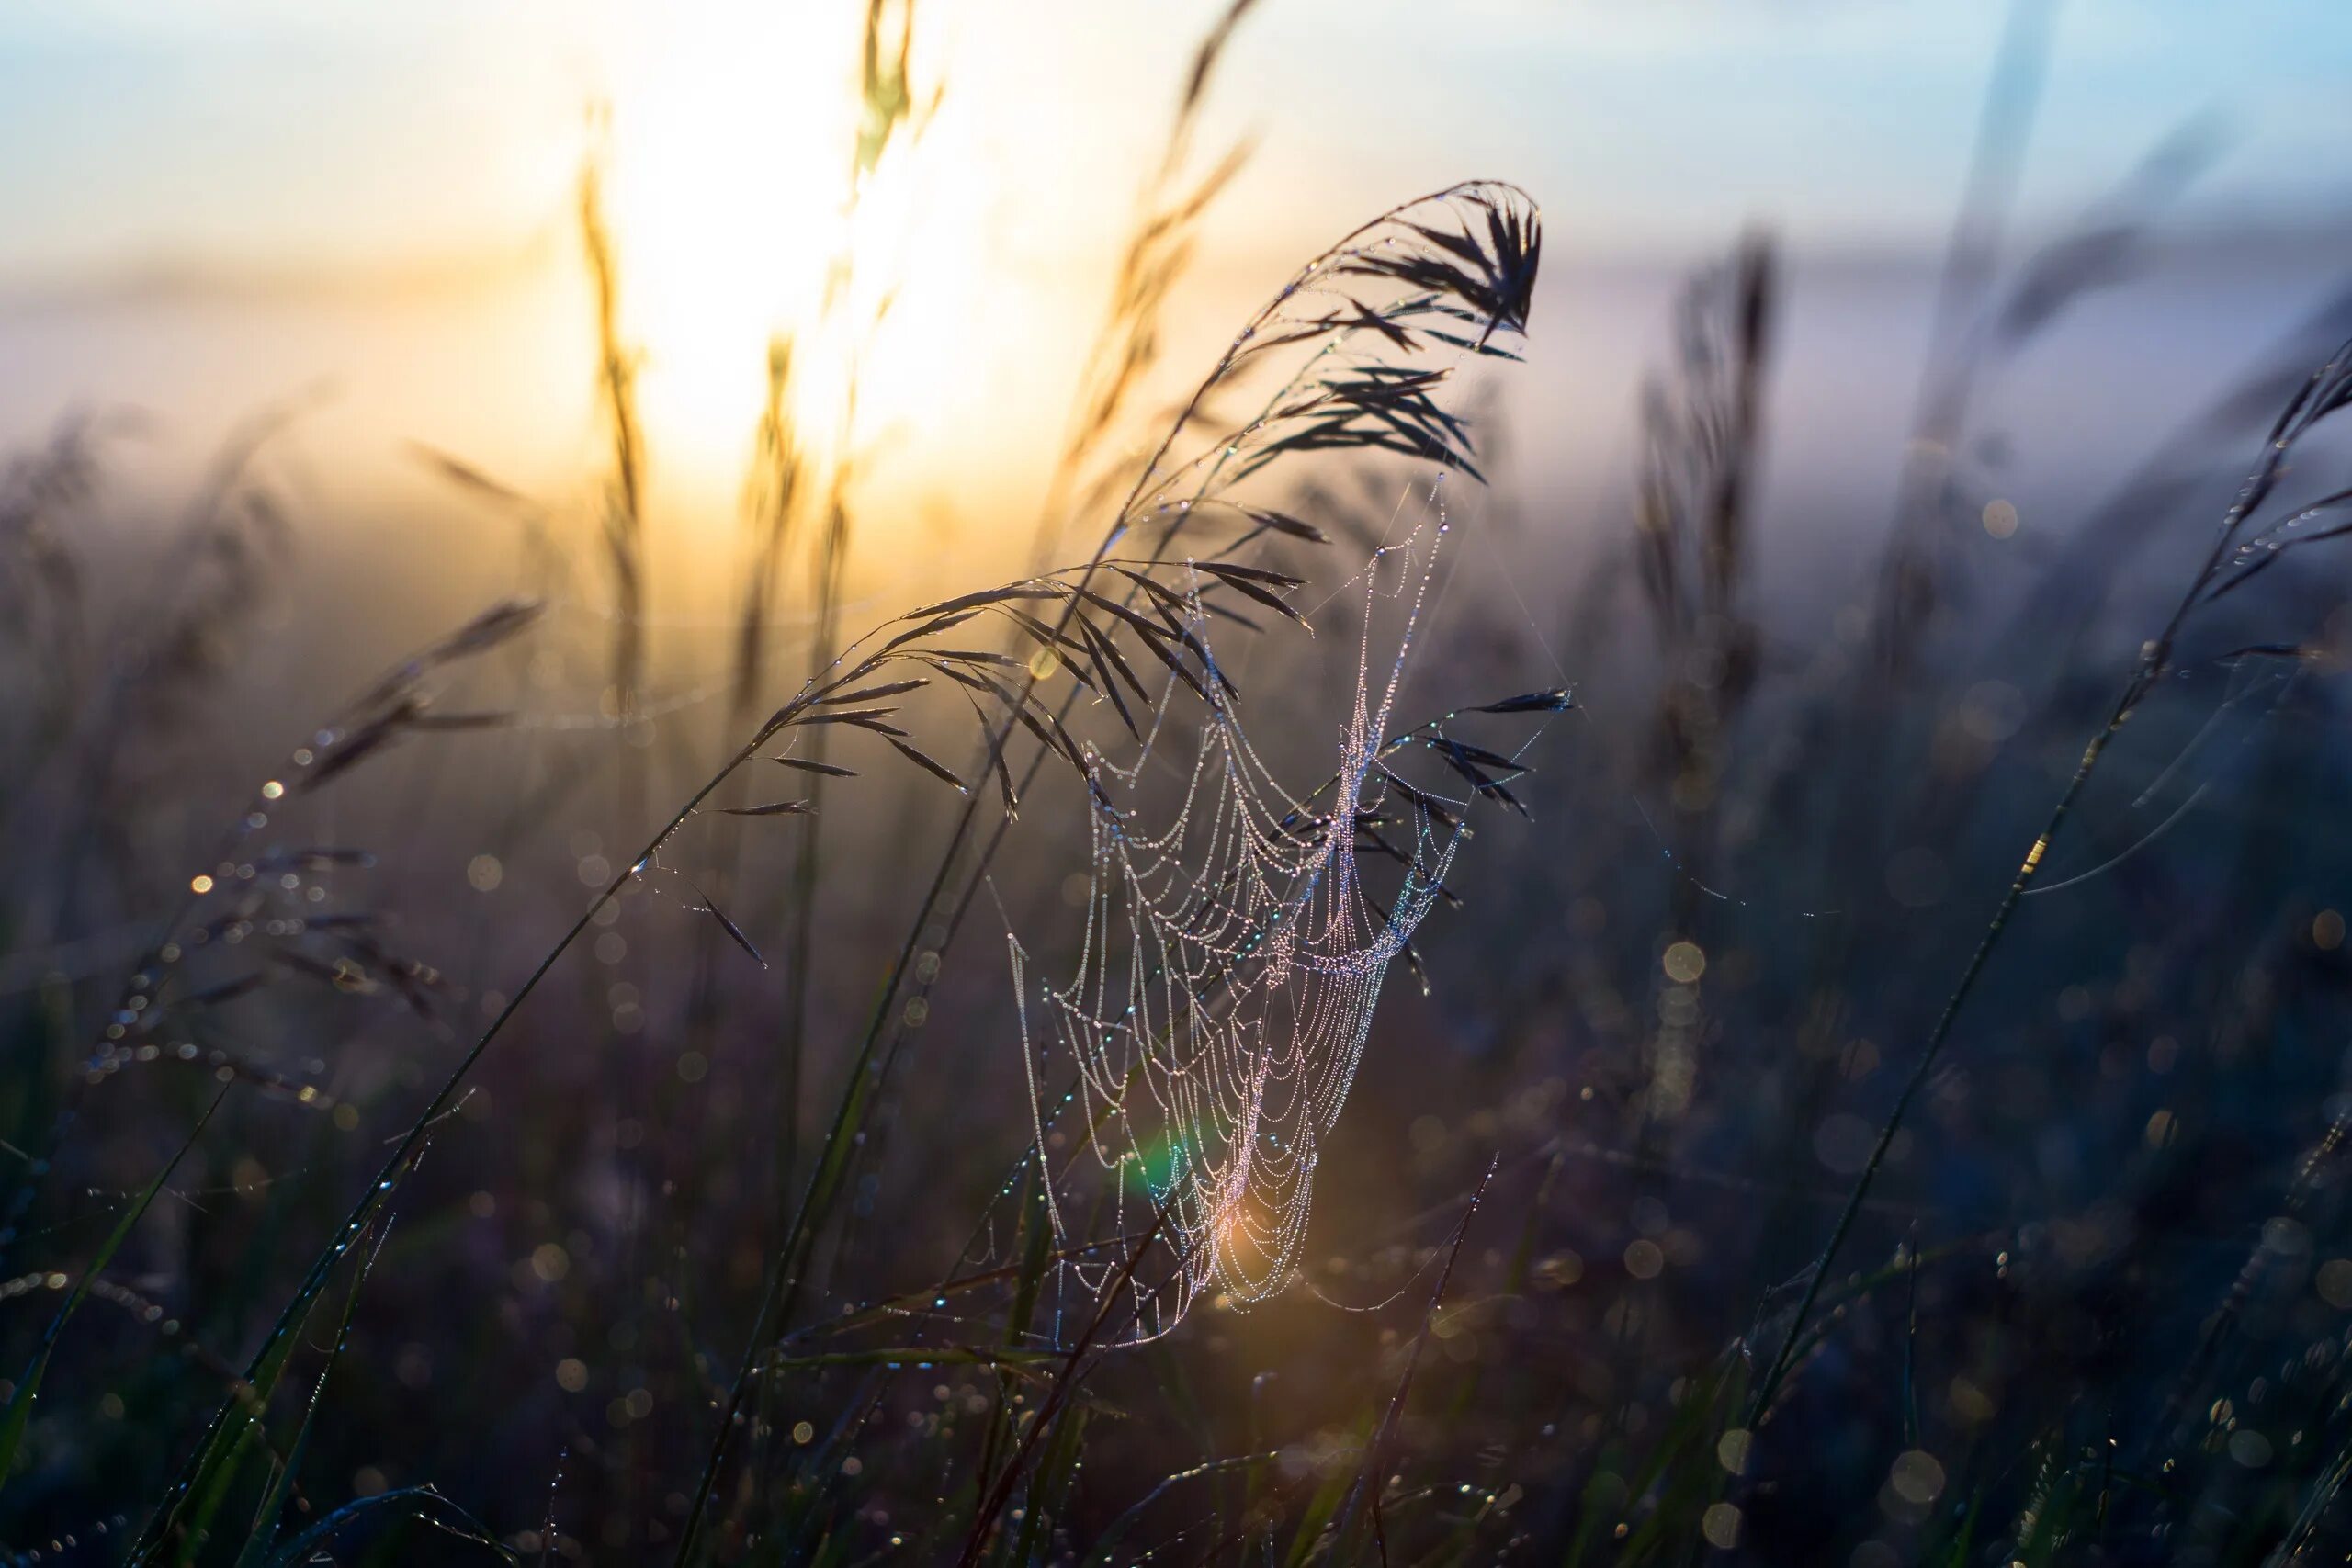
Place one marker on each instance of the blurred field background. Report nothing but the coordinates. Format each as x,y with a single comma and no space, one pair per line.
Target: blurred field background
1888,373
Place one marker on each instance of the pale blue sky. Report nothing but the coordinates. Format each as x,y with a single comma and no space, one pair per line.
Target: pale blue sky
290,169
269,134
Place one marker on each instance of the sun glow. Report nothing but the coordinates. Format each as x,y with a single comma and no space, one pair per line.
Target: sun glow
935,285
729,145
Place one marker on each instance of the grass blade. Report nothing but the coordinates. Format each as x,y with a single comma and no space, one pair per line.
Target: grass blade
18,1415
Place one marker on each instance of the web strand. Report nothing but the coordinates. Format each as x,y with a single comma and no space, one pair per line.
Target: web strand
1228,965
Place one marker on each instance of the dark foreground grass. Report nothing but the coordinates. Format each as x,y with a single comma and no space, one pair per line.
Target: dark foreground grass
1875,1094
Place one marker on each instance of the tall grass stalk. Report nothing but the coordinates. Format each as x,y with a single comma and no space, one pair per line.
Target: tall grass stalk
2224,568
1489,281
623,509
771,506
18,1412
1159,251
262,1373
1363,1506
887,112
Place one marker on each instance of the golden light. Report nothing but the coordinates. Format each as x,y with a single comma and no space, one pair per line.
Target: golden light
730,137
729,189
1236,1232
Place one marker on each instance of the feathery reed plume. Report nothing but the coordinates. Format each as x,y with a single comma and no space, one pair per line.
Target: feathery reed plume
222,907
1932,553
1446,273
1703,440
771,497
1983,322
1159,250
1703,437
2243,548
622,513
43,599
1919,542
1355,357
40,578
170,647
888,111
885,90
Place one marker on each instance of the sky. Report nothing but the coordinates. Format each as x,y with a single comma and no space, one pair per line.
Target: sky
266,134
213,204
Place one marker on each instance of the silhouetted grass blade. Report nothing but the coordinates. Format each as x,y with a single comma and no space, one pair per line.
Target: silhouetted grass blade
733,931
1554,701
928,765
21,1401
875,693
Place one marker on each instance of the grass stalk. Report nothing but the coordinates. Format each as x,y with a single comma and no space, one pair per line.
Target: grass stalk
2324,394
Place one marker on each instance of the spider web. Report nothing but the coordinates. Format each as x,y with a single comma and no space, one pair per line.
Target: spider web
1231,958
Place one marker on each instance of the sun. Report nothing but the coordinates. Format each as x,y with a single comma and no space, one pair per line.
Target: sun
729,145
925,336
